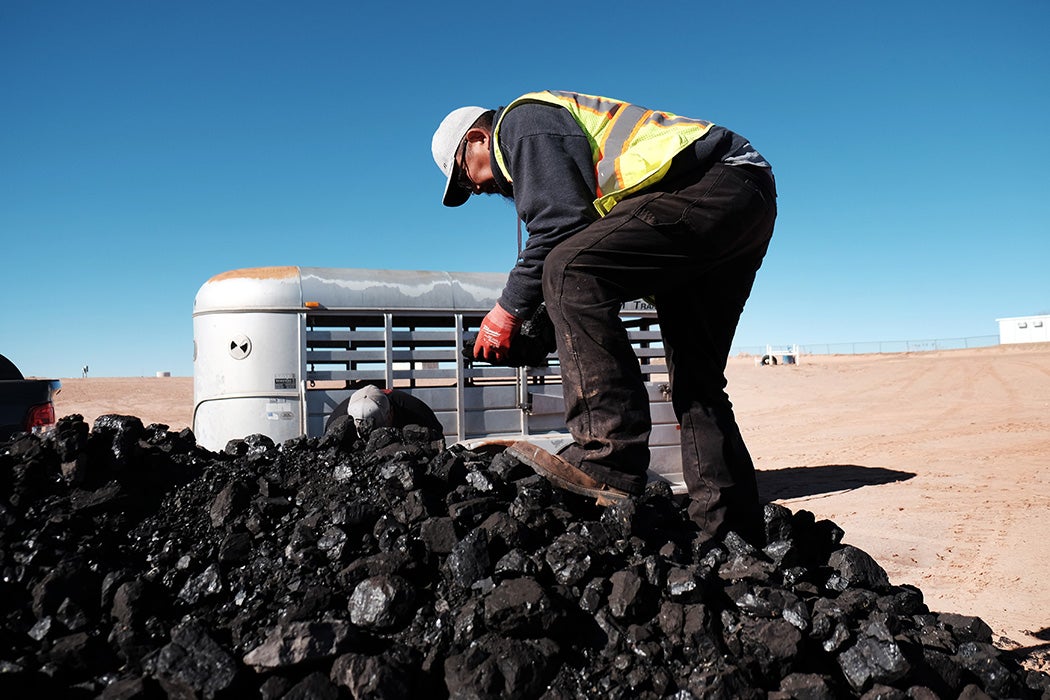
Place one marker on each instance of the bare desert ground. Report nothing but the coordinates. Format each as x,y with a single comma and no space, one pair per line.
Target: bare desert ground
935,463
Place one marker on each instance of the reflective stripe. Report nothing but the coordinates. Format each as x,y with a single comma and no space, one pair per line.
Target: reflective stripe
625,123
664,119
591,102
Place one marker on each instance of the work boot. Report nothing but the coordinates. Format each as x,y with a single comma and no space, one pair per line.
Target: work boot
564,475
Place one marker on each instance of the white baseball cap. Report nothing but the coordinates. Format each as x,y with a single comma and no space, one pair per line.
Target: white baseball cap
447,140
370,404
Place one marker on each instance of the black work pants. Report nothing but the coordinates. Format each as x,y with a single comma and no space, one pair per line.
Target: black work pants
694,246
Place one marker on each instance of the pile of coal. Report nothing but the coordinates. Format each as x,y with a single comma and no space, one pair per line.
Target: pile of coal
134,564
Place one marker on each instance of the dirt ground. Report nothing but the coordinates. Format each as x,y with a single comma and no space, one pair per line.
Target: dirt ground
935,463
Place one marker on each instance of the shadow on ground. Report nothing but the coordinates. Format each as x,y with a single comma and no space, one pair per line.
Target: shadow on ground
796,482
1035,657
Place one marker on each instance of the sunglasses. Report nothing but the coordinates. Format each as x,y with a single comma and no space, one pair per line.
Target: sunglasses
464,180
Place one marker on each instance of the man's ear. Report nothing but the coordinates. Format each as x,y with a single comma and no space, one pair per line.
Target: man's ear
477,134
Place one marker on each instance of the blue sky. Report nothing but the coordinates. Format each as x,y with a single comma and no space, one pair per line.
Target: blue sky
146,146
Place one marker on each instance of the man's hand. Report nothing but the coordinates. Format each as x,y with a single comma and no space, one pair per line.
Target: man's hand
495,334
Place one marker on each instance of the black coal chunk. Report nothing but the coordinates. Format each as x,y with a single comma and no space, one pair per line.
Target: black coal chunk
134,564
494,667
194,664
519,607
381,602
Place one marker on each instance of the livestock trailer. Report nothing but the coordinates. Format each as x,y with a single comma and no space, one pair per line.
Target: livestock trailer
275,349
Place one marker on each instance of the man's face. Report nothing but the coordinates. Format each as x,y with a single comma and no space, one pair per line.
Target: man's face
475,166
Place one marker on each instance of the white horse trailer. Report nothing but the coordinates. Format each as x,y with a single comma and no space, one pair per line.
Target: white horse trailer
275,349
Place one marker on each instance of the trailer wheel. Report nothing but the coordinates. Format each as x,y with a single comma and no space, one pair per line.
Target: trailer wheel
769,360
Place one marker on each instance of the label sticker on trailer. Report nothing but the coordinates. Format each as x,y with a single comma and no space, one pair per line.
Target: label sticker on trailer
279,410
284,381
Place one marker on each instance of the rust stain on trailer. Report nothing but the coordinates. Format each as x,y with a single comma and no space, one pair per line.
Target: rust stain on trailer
259,273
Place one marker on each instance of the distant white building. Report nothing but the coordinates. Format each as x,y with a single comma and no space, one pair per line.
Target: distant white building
1024,329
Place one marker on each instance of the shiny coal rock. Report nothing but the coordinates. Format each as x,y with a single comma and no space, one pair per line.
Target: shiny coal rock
135,564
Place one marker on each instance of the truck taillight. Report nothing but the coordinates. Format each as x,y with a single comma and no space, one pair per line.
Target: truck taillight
40,418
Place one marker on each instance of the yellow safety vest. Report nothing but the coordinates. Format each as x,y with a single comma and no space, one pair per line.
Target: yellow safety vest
631,146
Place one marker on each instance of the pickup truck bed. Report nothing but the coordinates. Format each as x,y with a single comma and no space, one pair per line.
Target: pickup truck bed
25,404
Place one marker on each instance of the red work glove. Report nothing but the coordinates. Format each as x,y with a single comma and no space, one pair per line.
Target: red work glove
495,334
